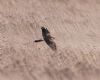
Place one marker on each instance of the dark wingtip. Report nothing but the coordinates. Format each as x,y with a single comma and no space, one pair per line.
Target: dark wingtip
38,40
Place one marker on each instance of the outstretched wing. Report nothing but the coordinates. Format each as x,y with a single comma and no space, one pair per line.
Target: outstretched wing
38,40
52,45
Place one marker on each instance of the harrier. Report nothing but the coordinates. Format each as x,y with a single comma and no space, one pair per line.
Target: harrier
47,38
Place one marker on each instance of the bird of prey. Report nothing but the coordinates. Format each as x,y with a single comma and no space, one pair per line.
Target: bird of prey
47,38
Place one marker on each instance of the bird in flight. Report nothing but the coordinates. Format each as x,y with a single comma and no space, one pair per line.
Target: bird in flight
47,38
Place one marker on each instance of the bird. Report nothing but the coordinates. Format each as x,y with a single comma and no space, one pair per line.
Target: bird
47,38
46,34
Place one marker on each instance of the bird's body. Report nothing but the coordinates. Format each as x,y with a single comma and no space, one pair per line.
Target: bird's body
48,38
46,34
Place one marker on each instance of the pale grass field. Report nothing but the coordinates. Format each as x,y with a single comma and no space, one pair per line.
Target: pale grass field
75,24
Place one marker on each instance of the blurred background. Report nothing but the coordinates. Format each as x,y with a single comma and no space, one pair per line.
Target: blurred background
73,23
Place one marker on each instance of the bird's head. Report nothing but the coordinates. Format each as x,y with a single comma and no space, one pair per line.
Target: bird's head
42,28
